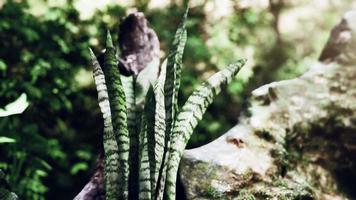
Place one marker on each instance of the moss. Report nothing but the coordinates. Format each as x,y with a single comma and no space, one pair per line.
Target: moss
281,158
266,135
212,193
245,195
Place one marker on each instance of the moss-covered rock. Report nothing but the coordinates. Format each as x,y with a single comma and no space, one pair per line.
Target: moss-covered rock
298,141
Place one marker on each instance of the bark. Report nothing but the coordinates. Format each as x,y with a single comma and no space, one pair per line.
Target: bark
139,44
94,189
296,142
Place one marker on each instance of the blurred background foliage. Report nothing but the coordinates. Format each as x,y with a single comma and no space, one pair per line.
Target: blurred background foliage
48,151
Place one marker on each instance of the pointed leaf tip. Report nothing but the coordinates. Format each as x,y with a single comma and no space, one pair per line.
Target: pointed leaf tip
185,16
242,61
109,40
91,52
186,12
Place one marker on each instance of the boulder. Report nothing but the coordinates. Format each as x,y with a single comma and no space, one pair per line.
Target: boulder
298,140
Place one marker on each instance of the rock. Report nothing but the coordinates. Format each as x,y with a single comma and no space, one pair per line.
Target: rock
298,141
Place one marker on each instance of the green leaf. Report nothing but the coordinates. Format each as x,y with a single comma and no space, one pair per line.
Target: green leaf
16,107
146,78
171,88
159,129
6,140
191,113
150,117
133,128
3,65
77,167
146,159
118,110
111,174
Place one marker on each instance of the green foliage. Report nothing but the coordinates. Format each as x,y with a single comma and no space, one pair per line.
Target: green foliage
6,140
39,58
162,138
44,56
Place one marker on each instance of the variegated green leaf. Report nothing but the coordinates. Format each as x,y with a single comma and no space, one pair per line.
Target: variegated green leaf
146,78
128,83
173,74
147,146
110,146
171,88
188,118
149,114
159,129
118,114
144,174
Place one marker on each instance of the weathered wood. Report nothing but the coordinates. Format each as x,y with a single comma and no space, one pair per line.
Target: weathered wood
94,189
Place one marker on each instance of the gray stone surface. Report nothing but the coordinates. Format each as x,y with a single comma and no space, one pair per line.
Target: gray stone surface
298,141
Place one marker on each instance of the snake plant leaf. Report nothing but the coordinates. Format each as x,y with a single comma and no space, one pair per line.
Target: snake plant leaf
144,175
150,114
146,78
188,118
147,145
172,81
159,129
171,88
117,102
111,175
128,83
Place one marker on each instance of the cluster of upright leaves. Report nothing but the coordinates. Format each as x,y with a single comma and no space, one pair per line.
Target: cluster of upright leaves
143,144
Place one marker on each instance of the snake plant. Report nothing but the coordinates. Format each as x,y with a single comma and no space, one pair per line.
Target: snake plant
144,142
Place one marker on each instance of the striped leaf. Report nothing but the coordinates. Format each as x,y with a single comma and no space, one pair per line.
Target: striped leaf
146,78
128,83
188,118
149,114
171,88
159,130
144,174
147,145
110,146
118,114
173,74
141,86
